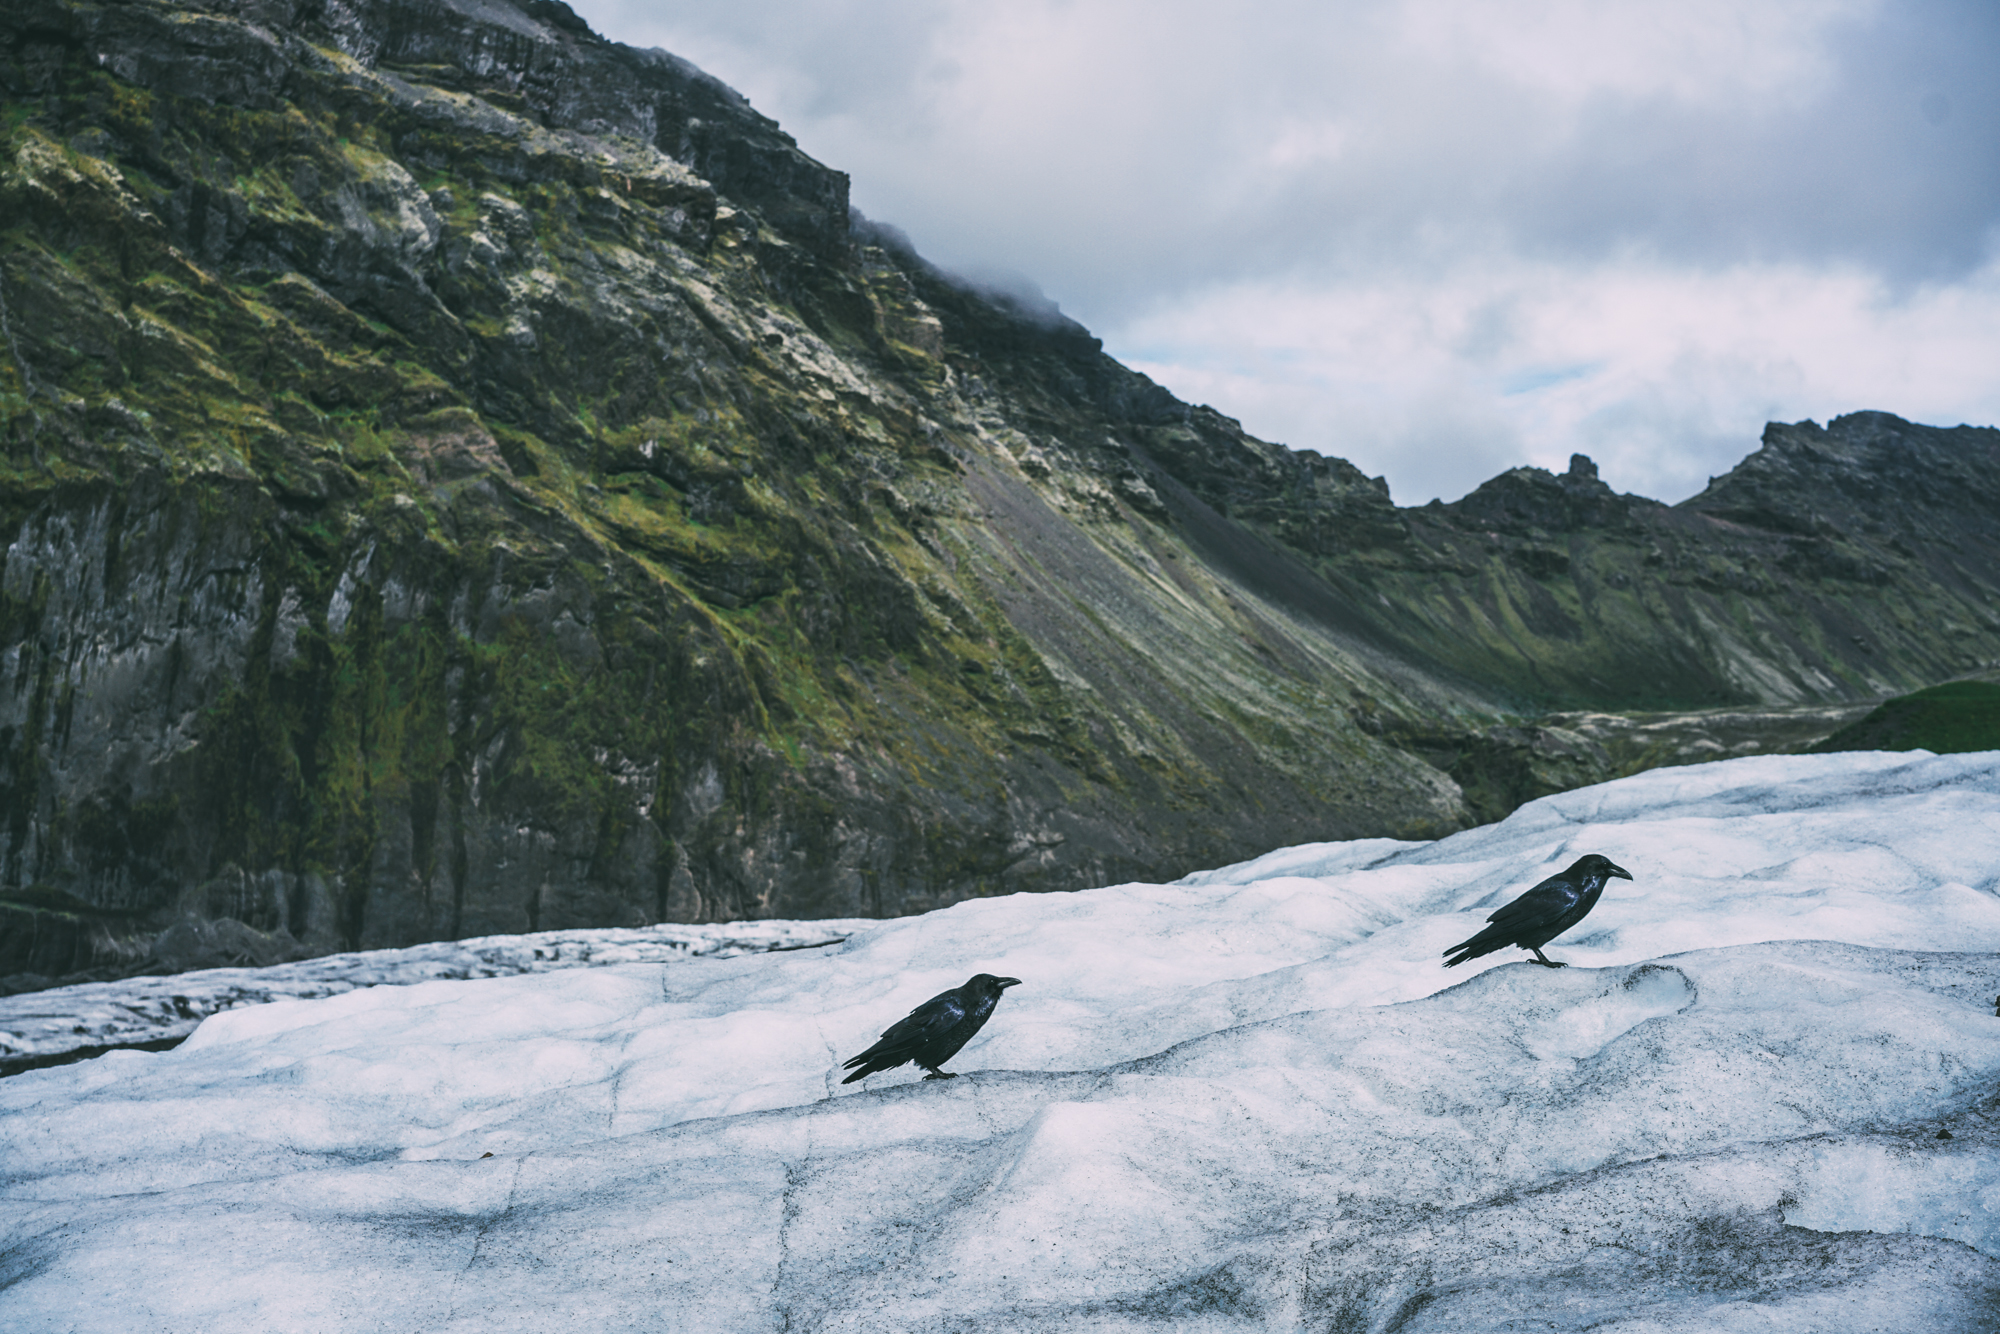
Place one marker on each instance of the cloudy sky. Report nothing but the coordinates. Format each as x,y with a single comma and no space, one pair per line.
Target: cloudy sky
1437,237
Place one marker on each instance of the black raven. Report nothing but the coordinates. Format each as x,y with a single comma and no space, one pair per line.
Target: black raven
935,1030
1543,913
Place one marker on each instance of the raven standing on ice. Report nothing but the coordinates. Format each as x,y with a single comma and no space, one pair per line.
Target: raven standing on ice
935,1030
1543,913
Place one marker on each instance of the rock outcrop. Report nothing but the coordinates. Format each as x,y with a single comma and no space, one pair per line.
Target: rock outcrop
1835,563
465,476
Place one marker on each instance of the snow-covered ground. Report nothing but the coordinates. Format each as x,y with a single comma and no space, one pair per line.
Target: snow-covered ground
43,1027
1763,1099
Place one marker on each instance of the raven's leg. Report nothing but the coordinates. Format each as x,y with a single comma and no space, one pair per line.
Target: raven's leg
1545,961
939,1074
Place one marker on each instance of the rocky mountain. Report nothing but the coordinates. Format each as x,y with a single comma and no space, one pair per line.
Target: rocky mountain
465,476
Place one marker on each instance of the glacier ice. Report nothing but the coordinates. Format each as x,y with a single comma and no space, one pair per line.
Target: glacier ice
40,1028
1763,1098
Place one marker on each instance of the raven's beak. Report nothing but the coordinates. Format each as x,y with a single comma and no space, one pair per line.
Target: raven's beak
1005,982
1619,871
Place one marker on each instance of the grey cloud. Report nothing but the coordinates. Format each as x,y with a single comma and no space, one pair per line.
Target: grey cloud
1157,184
802,60
1861,174
1896,168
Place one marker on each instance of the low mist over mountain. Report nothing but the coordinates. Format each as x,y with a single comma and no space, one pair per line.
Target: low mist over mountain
465,476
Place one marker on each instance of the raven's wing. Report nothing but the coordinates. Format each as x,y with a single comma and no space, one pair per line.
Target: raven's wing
1543,905
907,1034
925,1022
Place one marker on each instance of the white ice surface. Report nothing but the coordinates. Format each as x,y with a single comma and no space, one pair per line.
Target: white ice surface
93,1015
1252,1100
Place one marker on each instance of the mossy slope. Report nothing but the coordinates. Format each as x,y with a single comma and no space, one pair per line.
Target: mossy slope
1956,716
462,476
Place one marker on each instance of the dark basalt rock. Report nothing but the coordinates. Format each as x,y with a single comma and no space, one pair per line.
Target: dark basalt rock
1798,577
1533,501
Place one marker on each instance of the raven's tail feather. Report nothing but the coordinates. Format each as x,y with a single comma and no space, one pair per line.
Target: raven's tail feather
873,1061
1468,949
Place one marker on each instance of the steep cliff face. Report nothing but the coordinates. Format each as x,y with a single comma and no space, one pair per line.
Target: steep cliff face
465,476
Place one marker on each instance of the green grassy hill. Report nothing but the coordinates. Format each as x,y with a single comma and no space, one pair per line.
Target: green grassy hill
1956,716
